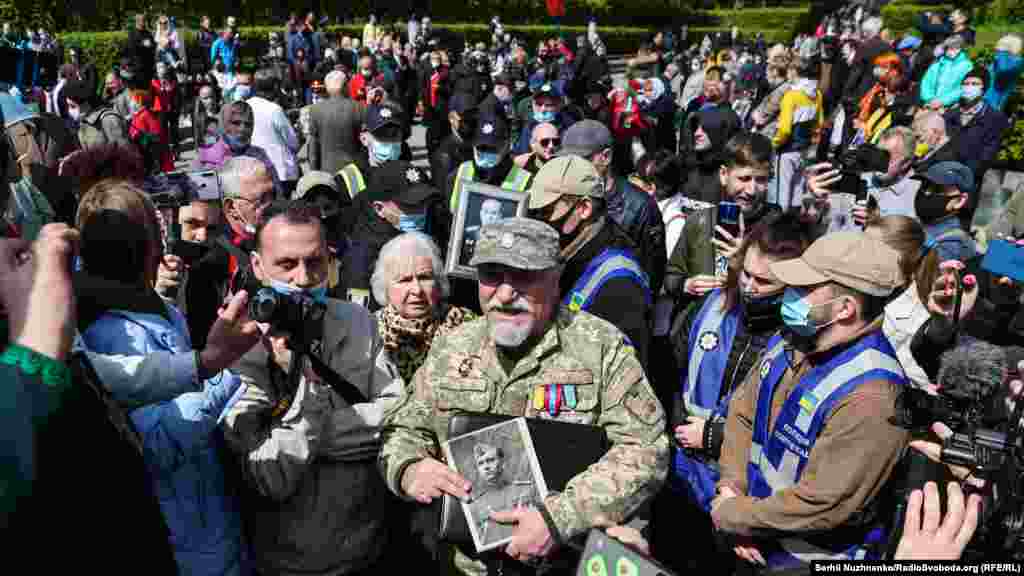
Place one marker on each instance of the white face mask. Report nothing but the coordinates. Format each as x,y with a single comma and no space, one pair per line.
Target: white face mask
75,113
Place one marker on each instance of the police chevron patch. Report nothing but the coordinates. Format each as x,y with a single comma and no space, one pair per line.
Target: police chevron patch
766,367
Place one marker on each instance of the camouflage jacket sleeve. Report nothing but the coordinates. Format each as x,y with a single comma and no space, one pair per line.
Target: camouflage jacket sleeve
633,470
407,431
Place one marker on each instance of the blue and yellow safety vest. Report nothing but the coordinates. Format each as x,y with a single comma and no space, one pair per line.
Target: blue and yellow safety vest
778,456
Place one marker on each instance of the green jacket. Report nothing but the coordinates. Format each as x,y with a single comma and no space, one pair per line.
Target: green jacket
464,371
694,254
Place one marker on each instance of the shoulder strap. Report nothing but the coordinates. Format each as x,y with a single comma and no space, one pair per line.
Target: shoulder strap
348,391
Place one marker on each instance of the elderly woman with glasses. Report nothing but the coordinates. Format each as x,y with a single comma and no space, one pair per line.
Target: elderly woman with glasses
409,282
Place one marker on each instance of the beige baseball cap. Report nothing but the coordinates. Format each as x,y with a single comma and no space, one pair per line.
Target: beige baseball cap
565,176
852,259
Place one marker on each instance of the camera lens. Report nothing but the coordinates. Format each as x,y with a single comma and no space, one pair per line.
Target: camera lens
263,305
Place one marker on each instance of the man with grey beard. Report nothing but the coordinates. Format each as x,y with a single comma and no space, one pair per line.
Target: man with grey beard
529,356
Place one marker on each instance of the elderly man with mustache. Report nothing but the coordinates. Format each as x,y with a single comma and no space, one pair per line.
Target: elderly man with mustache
530,356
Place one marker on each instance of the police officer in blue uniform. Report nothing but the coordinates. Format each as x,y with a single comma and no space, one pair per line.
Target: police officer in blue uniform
808,444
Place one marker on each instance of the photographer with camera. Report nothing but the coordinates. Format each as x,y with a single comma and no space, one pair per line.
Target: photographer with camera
307,446
887,193
196,283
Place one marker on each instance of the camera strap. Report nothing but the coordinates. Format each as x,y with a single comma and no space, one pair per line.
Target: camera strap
347,390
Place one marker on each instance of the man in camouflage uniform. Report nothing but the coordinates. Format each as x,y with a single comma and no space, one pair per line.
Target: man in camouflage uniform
531,357
494,493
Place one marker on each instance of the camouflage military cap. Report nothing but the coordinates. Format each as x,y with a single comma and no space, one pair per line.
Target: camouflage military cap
520,243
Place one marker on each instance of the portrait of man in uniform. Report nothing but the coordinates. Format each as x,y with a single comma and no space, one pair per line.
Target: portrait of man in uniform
490,212
480,204
503,466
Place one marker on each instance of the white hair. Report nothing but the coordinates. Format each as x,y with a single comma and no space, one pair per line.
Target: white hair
871,27
334,82
1012,43
236,168
398,257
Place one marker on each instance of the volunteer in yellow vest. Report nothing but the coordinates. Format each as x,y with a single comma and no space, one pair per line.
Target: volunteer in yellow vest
491,164
808,445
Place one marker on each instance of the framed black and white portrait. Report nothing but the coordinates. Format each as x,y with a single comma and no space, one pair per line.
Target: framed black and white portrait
501,464
479,204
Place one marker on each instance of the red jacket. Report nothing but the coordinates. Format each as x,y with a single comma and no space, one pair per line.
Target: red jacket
358,84
146,130
163,99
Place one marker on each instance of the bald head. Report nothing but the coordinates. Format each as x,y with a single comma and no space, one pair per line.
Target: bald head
930,129
334,82
544,134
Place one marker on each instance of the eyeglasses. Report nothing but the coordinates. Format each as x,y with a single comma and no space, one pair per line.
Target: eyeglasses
261,201
550,142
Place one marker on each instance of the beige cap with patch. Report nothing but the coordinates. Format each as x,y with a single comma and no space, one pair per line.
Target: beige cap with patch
565,176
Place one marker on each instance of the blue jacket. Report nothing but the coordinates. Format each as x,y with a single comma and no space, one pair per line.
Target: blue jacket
942,80
977,143
1003,73
226,51
311,45
180,441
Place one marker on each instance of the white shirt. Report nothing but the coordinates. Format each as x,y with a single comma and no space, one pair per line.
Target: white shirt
673,213
273,133
903,317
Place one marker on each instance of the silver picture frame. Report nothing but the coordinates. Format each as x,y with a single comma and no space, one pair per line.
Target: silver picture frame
469,214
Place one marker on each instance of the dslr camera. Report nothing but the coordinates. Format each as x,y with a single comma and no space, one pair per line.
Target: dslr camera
856,162
298,315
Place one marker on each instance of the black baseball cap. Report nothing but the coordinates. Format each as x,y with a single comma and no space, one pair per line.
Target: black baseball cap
491,131
378,116
399,181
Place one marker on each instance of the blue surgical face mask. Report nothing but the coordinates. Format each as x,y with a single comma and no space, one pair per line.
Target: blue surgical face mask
796,313
318,294
385,151
242,91
970,93
412,222
486,160
545,117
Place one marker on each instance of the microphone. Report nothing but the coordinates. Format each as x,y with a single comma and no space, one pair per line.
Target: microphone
974,369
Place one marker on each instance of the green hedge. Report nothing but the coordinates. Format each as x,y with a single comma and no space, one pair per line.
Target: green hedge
104,48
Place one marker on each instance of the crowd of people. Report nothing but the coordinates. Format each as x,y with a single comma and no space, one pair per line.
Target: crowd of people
735,262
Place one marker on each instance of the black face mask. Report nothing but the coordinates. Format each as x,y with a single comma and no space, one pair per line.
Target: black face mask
931,207
767,309
544,215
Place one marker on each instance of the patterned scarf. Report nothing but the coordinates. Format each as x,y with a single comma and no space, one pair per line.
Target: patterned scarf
407,341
